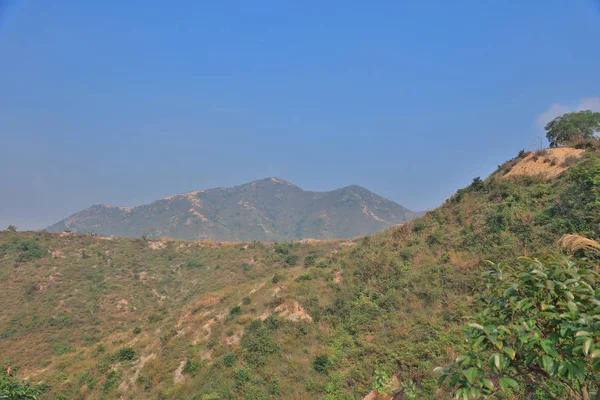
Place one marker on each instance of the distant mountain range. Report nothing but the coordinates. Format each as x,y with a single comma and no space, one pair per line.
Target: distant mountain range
270,209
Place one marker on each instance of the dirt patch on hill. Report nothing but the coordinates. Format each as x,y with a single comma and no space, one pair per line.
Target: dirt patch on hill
548,163
178,374
291,310
156,245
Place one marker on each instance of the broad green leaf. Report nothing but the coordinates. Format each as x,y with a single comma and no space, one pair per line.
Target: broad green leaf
509,352
471,374
506,383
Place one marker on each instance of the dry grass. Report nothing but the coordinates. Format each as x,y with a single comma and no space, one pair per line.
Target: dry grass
573,243
546,163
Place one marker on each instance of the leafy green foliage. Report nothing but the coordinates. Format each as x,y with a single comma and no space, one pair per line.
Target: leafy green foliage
12,389
26,249
540,325
575,125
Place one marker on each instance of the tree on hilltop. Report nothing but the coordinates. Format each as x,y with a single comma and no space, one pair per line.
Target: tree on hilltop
567,127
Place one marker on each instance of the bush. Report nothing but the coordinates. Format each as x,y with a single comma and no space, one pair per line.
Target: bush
193,263
125,354
477,184
321,363
291,259
192,367
236,310
246,301
137,330
258,343
27,249
246,267
276,278
12,389
310,260
282,248
229,359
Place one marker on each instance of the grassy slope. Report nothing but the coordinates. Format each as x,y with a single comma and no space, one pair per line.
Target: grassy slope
394,302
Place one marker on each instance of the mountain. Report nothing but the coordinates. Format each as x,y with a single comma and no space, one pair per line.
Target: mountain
270,209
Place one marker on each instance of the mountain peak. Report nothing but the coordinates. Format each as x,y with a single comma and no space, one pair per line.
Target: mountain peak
269,209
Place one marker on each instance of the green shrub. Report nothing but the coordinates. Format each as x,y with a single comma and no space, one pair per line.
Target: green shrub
246,267
321,363
27,249
137,330
193,262
283,248
12,389
229,359
125,354
192,367
291,259
235,310
258,343
310,260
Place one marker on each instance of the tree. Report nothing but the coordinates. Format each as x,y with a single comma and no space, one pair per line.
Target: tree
581,124
539,332
11,228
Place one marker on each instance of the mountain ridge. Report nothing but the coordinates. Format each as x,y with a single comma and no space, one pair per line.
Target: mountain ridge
269,209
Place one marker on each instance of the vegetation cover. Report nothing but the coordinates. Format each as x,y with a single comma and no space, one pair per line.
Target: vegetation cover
327,320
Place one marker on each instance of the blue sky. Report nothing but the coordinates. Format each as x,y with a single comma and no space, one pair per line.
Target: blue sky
123,103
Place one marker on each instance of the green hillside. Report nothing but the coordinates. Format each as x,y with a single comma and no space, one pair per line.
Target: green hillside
91,318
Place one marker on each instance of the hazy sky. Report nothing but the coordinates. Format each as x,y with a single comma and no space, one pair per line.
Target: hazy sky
125,102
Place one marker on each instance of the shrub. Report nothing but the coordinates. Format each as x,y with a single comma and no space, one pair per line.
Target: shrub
276,278
229,359
283,248
236,310
246,301
193,262
137,330
27,249
292,259
257,343
538,330
246,267
12,389
125,354
192,367
310,260
477,184
321,363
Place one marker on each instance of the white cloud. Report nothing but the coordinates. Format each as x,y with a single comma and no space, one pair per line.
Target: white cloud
587,103
552,112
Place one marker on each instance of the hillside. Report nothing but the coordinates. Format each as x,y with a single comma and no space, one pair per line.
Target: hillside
268,210
166,319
